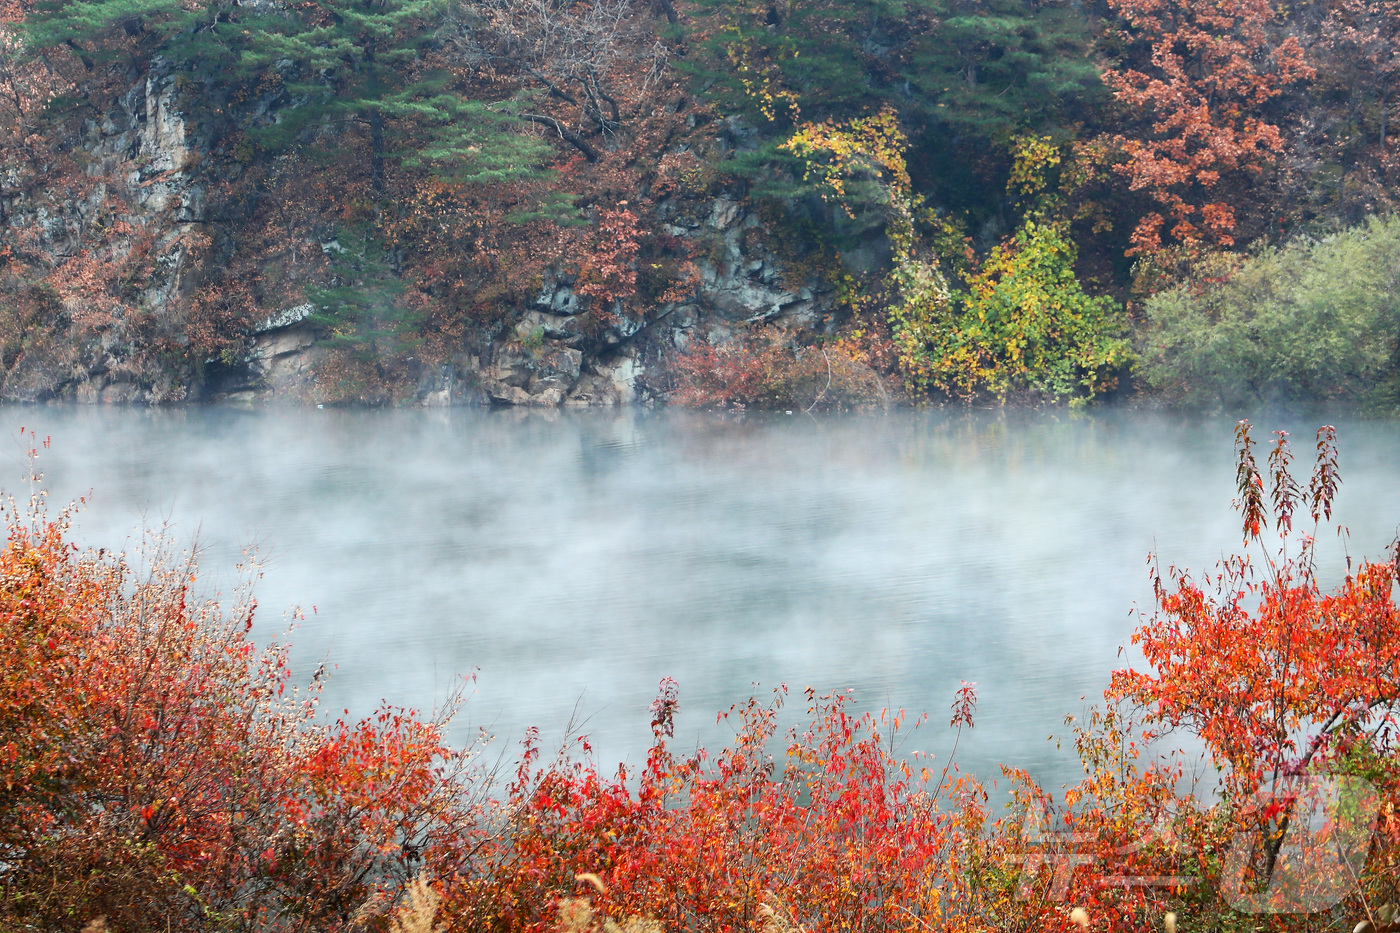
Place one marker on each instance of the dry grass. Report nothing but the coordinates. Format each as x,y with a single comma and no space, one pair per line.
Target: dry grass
419,913
576,914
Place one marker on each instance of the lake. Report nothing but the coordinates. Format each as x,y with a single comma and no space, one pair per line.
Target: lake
573,560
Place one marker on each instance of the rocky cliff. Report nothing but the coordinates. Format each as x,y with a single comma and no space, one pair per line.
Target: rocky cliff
134,202
126,192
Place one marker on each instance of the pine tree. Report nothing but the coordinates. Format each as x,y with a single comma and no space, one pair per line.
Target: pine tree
353,62
992,70
97,28
779,64
345,65
363,305
995,68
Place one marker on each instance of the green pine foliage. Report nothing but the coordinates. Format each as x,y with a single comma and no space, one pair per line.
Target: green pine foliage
363,305
991,71
996,68
774,65
992,68
86,23
463,140
350,61
342,66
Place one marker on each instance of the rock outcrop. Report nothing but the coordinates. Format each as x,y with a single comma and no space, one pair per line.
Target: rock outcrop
137,177
147,154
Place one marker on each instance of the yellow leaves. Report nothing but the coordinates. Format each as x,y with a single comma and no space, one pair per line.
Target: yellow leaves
835,152
875,142
1033,157
1025,325
766,90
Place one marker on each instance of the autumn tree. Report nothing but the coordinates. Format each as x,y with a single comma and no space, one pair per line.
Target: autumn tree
70,285
1276,675
1024,326
567,54
1357,55
822,828
1201,74
589,91
158,768
28,85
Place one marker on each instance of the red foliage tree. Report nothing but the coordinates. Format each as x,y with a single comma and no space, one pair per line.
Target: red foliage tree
154,767
761,369
1209,68
1274,674
844,835
156,770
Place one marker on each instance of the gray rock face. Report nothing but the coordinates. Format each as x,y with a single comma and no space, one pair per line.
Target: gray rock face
539,376
140,154
741,286
279,358
551,354
610,382
550,357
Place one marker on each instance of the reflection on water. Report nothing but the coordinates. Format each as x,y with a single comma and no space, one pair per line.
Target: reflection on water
576,560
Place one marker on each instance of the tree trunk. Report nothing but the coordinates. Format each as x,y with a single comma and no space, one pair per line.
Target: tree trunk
566,134
376,159
1385,89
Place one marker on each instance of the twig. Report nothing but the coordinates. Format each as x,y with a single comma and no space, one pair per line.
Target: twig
809,408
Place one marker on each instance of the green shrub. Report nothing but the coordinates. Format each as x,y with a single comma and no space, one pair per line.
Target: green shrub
1313,320
1025,327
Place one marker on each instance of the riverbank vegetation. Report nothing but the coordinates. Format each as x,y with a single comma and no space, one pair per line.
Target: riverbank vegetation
1314,319
160,771
987,200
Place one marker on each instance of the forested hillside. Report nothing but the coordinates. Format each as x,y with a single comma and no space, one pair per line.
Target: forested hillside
789,203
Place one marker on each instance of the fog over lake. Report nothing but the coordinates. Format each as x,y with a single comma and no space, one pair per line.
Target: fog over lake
576,559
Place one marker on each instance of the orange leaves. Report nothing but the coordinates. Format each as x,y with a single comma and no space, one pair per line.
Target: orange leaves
759,369
831,833
154,765
1280,687
153,768
608,273
1209,68
1278,678
1274,674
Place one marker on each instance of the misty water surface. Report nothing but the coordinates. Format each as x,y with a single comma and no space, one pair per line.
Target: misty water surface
574,560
